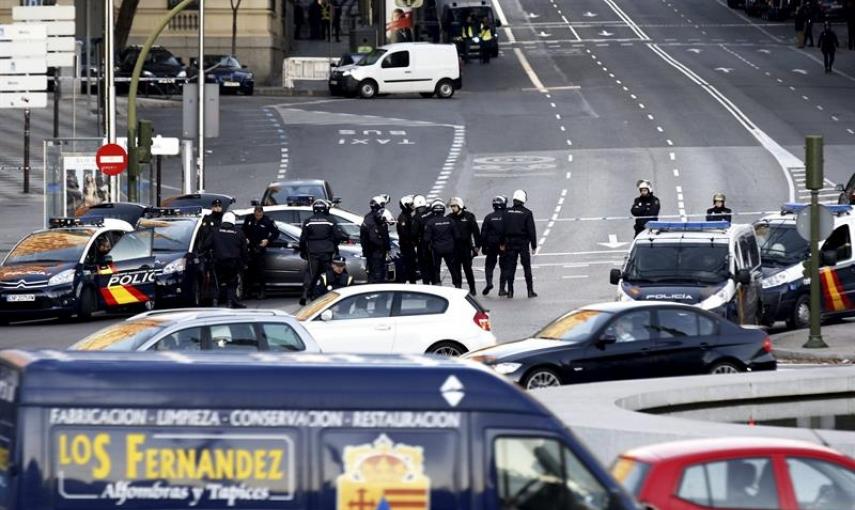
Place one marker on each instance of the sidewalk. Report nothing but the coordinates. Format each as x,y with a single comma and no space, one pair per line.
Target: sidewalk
840,339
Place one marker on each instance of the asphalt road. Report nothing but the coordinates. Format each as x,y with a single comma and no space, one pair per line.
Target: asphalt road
588,97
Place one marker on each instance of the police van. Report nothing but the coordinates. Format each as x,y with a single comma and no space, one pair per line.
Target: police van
59,272
89,431
712,264
786,290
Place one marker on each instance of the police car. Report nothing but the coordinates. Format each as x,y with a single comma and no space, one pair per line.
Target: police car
58,272
786,290
711,264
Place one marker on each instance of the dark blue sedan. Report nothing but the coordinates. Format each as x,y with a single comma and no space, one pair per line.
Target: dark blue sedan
228,72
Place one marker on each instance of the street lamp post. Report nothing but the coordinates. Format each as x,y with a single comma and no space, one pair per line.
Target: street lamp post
201,78
110,88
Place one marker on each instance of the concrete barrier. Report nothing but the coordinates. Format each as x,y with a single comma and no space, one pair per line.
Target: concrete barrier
305,68
608,417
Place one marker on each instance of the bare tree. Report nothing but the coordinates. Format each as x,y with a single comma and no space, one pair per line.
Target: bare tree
127,11
235,6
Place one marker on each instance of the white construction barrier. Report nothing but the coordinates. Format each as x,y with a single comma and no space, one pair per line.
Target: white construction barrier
305,68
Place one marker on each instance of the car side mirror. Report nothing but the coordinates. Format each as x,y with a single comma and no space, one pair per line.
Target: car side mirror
326,315
606,339
336,201
828,258
839,187
614,276
743,276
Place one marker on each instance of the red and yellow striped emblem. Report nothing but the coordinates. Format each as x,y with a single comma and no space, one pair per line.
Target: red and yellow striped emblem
833,292
119,295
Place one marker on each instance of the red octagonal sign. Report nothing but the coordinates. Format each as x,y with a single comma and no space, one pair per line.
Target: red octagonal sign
111,159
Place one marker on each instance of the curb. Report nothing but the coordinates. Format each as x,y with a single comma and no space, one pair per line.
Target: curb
283,92
805,355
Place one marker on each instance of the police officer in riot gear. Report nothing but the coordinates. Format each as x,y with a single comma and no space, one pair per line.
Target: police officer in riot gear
375,241
424,254
645,207
468,241
493,241
230,254
442,236
260,231
333,278
319,242
407,240
520,234
719,212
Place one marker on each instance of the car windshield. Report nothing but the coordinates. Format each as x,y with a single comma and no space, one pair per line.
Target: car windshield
372,58
171,236
574,327
221,61
163,57
305,313
122,336
678,262
780,245
55,245
630,473
279,195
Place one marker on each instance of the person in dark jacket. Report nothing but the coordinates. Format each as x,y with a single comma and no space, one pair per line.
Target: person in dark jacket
645,207
520,234
260,231
230,254
314,15
468,241
850,23
407,240
375,241
211,221
441,235
493,242
811,15
828,44
319,242
424,254
333,278
299,19
719,212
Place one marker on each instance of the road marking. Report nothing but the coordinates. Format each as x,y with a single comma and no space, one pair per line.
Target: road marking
527,66
563,128
676,173
659,128
672,155
650,116
558,116
633,96
669,142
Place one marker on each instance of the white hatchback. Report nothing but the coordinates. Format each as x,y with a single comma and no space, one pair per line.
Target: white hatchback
398,318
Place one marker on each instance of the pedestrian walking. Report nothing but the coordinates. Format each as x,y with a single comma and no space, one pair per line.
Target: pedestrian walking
493,242
260,231
333,278
811,14
315,19
828,44
799,20
421,214
407,238
319,242
719,212
441,235
468,241
520,234
230,255
645,207
338,10
299,19
375,241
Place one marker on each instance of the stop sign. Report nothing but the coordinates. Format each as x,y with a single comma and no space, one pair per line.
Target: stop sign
111,159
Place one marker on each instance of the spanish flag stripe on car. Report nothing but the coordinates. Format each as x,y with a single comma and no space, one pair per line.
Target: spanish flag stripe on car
126,295
836,300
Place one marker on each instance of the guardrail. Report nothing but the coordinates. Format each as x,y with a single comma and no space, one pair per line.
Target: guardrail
305,68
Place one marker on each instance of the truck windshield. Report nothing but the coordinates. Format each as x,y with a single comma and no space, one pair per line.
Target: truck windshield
780,245
55,245
372,58
678,262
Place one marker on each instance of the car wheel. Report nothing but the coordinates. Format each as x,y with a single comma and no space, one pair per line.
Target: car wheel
541,378
367,89
87,305
426,95
450,349
800,317
444,89
725,367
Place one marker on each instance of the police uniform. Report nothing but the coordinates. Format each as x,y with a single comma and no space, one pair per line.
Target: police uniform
441,235
319,242
424,254
468,239
407,242
520,233
493,240
330,280
230,254
719,214
645,208
257,231
376,244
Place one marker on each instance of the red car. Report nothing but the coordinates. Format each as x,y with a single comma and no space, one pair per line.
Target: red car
740,473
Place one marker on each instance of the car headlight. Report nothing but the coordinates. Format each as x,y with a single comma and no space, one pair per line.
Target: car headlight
211,76
147,74
182,74
176,266
345,73
623,296
62,278
507,368
717,300
775,280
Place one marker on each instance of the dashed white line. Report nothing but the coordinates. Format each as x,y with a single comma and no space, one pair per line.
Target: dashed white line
672,155
669,142
676,173
659,128
650,116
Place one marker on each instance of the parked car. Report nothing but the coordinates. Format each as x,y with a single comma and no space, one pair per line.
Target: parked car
226,71
298,192
202,329
738,473
202,200
348,59
296,214
398,318
630,341
163,72
847,193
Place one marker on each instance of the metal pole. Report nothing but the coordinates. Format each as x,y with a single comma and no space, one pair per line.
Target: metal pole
56,94
159,177
87,47
813,163
201,77
27,150
110,88
187,159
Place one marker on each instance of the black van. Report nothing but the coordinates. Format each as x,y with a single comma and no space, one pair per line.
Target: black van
88,431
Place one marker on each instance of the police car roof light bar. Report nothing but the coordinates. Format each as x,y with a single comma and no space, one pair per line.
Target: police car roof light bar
75,222
688,225
795,207
190,210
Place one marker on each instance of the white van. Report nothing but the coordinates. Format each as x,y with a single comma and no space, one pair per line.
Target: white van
401,68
